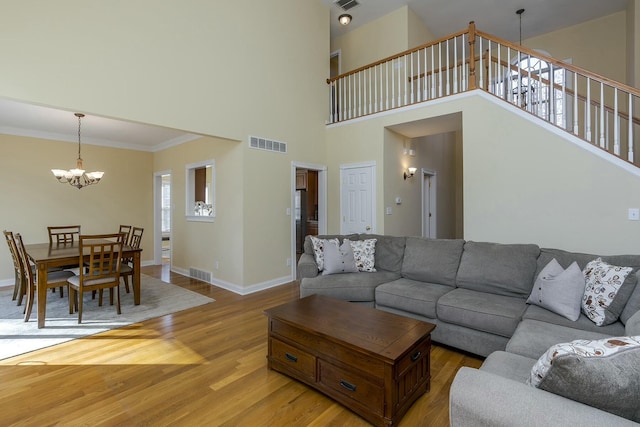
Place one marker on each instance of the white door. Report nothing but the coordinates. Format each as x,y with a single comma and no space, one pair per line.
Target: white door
357,200
428,204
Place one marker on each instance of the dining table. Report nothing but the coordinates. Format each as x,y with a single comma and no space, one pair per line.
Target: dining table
46,256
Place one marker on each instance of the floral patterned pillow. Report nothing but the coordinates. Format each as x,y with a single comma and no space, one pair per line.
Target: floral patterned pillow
603,281
318,249
581,348
364,252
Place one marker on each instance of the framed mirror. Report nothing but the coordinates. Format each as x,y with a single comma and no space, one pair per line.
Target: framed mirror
200,191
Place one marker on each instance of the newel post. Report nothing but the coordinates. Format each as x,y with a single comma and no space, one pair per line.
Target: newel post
472,55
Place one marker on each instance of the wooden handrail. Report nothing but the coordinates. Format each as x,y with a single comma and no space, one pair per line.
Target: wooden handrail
398,55
561,64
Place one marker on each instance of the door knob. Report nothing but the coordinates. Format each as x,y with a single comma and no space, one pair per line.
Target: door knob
368,228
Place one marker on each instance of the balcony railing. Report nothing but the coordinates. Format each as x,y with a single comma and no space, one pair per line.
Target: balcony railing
591,107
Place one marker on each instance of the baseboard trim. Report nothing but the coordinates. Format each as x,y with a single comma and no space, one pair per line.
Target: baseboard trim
240,290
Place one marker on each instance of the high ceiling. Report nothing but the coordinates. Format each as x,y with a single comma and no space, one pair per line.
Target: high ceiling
441,17
496,17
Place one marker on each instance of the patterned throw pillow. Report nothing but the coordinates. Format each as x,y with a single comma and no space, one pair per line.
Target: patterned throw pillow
364,252
318,250
583,348
603,281
604,374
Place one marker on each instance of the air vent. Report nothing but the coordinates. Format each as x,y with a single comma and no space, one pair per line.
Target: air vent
346,4
205,276
267,144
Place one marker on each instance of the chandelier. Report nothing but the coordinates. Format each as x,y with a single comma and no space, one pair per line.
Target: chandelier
77,177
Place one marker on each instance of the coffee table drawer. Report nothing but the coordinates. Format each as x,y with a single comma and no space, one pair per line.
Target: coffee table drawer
415,357
293,358
352,385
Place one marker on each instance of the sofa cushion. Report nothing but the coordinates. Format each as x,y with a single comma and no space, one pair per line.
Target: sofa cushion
508,365
533,337
348,286
432,260
633,304
338,259
318,249
411,296
604,374
364,253
308,245
559,290
583,323
498,268
389,251
608,288
633,325
496,314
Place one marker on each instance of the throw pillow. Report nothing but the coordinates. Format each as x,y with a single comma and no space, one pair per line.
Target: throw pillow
603,283
364,252
338,259
559,290
604,373
318,250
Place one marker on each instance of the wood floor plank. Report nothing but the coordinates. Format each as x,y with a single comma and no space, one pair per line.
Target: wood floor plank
205,366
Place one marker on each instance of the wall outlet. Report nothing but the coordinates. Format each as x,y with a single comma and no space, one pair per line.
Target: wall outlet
288,262
634,214
216,265
389,211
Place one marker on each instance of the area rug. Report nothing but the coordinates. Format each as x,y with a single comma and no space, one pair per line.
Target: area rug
157,298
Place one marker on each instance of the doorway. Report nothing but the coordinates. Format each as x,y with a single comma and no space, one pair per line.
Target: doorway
357,198
308,205
162,218
429,197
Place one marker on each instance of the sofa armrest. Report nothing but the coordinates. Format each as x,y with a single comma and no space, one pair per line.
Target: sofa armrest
479,398
307,267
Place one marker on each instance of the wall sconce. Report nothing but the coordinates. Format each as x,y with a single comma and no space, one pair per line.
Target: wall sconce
344,19
409,173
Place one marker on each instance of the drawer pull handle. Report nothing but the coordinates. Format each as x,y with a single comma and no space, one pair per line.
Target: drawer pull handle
291,357
415,356
347,385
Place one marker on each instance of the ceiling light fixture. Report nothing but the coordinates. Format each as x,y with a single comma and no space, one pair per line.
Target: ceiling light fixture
77,177
344,19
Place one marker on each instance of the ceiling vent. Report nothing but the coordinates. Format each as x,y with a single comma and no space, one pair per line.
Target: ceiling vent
346,4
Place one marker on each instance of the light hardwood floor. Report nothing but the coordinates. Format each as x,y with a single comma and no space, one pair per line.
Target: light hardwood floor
205,366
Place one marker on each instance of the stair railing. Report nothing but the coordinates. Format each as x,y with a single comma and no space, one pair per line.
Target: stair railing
594,108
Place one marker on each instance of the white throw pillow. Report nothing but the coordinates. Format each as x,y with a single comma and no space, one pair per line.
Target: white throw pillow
318,250
364,252
559,290
338,259
603,281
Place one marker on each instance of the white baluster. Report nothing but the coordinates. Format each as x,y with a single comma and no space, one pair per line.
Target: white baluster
602,111
489,60
509,87
576,128
412,80
406,79
417,80
499,77
480,83
465,80
433,71
425,88
630,154
588,111
447,70
455,65
529,84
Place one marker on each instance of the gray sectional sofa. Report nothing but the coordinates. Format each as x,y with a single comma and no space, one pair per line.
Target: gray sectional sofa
476,293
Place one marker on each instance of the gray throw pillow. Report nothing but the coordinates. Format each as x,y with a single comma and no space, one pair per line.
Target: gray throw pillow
339,259
559,290
610,383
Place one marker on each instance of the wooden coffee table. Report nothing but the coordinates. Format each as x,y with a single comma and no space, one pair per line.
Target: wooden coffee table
373,362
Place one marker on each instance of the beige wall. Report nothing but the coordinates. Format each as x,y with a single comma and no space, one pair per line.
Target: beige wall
370,42
599,46
521,182
205,67
33,199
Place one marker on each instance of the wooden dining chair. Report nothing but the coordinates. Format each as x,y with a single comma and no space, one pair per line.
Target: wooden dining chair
127,230
19,287
63,234
55,279
126,270
102,270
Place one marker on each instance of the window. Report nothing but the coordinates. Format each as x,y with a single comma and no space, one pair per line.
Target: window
200,191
